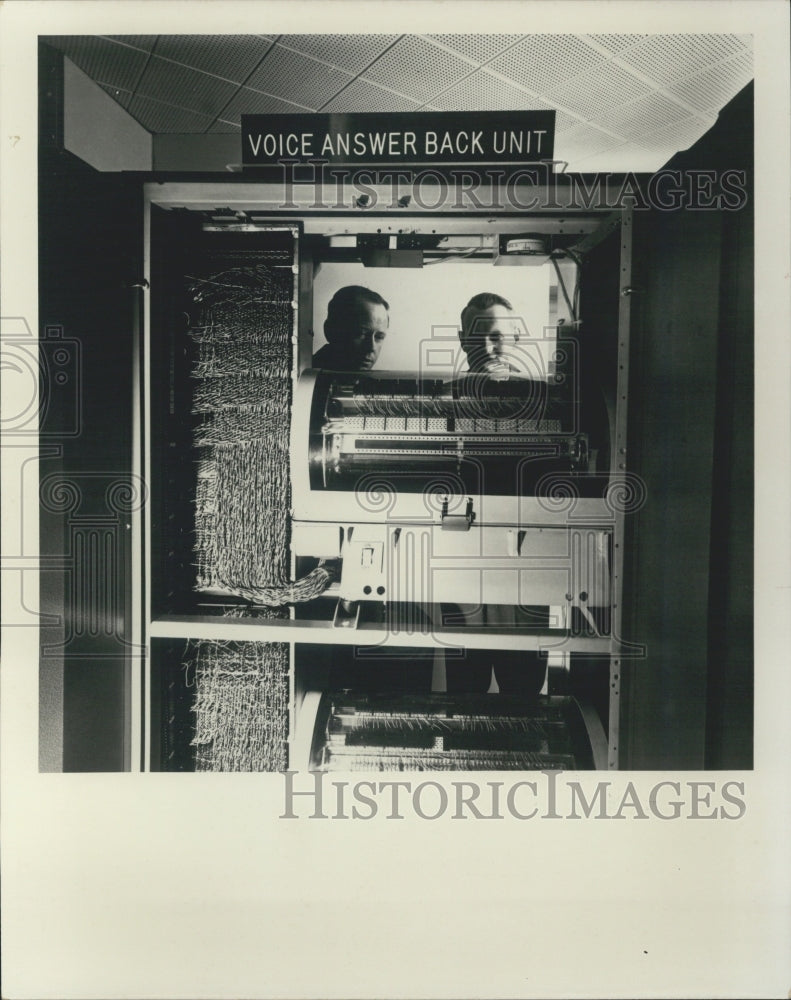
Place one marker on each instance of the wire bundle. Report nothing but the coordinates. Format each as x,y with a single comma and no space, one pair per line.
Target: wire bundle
242,330
240,705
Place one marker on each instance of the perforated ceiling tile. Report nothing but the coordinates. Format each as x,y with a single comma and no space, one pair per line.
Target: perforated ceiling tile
185,88
226,127
351,53
641,118
159,117
615,43
541,61
297,78
680,135
564,122
232,57
583,141
668,59
122,97
252,102
362,96
144,42
483,92
478,48
415,67
605,86
103,61
714,87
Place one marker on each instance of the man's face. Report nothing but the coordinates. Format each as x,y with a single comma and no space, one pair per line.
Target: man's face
489,337
361,339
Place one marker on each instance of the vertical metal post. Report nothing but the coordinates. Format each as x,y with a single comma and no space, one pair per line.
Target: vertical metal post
618,467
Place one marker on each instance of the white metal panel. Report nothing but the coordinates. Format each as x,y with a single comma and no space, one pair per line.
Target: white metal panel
103,60
159,117
637,120
615,43
351,53
232,57
669,58
183,87
712,88
604,86
297,78
254,102
482,91
416,68
362,95
477,48
541,61
325,633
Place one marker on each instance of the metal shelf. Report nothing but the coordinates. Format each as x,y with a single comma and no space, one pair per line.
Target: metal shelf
369,633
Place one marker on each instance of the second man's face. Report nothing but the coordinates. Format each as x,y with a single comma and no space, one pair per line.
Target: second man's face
490,339
365,335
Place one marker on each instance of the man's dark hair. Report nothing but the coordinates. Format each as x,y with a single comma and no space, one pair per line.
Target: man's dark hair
344,301
481,301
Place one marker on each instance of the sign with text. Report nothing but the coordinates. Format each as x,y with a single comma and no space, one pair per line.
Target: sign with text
447,137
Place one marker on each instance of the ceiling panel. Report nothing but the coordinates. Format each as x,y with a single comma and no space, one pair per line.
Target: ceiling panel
478,48
104,61
584,140
223,126
615,43
641,118
351,53
417,69
564,122
667,59
144,42
252,102
681,134
542,61
297,78
711,89
232,57
481,91
363,96
122,97
159,117
184,87
622,100
605,86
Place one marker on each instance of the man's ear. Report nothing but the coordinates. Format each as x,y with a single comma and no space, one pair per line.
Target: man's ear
464,341
330,333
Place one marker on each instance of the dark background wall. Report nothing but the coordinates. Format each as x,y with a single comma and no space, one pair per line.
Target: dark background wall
90,253
689,703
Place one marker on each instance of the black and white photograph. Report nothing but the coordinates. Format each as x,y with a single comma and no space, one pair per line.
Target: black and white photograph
405,394
429,445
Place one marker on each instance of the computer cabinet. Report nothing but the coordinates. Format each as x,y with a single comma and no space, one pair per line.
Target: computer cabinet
224,370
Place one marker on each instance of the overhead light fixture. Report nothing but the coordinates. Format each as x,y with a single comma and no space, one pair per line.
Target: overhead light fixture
529,248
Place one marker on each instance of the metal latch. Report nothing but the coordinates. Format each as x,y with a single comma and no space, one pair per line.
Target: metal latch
456,522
